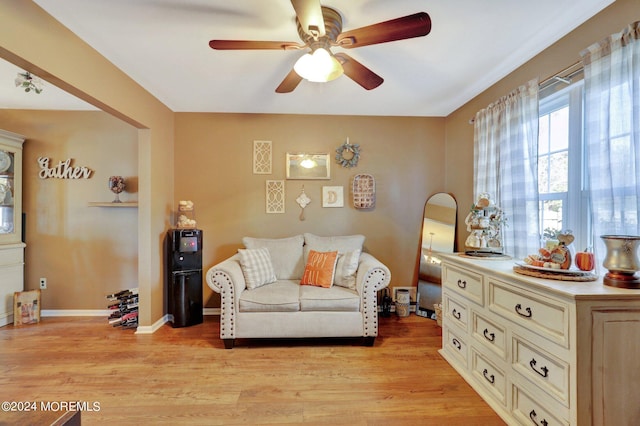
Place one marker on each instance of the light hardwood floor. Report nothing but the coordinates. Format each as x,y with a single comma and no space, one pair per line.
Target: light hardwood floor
184,376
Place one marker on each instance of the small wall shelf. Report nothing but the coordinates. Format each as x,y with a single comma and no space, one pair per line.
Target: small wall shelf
108,204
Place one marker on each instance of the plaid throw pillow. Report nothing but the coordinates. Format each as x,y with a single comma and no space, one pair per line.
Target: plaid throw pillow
346,269
256,267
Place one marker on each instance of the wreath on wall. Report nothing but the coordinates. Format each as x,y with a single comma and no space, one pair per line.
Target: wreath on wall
347,155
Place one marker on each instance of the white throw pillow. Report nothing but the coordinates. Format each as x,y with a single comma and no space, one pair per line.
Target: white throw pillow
256,267
286,254
341,243
346,269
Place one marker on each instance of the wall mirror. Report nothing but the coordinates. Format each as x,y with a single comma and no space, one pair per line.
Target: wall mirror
308,166
438,235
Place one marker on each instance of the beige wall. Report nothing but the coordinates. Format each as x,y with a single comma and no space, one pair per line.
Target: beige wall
213,168
459,133
33,40
84,252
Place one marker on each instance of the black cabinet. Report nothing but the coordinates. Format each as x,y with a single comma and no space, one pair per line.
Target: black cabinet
184,276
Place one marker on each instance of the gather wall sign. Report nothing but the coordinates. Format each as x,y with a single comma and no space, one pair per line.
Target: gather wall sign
62,170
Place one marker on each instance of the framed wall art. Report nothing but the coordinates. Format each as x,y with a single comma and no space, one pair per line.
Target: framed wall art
261,157
308,166
332,196
274,196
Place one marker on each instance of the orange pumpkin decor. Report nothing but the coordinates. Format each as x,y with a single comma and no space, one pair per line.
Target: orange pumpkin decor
585,260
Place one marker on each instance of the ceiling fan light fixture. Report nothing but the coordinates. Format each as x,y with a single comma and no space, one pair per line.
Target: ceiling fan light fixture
29,82
319,66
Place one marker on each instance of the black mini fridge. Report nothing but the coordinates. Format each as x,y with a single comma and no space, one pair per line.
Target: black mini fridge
184,276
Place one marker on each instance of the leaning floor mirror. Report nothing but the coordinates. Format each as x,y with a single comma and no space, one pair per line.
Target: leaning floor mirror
437,236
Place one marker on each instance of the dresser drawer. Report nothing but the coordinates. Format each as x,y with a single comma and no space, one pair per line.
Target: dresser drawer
529,410
542,368
543,315
455,311
492,377
464,282
455,345
490,334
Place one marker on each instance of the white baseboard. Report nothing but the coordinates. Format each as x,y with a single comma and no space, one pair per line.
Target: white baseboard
150,329
105,313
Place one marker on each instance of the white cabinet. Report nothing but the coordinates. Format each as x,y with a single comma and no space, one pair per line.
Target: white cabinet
542,351
11,246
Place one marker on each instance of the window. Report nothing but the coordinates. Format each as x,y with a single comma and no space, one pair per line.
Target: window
561,183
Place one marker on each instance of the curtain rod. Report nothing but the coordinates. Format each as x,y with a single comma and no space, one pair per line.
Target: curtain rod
557,76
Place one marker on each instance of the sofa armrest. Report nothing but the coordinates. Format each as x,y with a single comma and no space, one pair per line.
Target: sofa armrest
226,278
372,276
224,273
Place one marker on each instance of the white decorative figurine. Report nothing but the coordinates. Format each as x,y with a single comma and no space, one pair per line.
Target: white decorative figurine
187,217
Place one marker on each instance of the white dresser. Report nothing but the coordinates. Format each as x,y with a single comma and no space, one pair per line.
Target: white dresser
11,245
541,351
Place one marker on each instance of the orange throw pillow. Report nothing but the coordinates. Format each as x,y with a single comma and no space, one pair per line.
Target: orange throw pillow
320,268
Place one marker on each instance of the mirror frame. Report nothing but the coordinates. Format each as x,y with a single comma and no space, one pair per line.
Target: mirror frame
321,169
420,249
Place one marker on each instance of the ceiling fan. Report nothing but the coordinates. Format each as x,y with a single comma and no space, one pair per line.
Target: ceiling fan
320,28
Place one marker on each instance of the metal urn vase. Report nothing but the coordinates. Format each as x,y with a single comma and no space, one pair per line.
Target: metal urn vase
621,261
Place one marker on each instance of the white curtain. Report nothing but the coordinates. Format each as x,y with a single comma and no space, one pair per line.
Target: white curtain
612,134
506,165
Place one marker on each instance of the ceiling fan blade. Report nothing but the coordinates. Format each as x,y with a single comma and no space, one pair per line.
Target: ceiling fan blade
309,14
358,72
416,25
254,45
289,83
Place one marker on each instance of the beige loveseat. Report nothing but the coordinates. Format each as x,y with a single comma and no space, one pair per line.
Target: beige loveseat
262,295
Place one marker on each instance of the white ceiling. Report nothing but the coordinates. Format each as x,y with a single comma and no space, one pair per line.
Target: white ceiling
163,45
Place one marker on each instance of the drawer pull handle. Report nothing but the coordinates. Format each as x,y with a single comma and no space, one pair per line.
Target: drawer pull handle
529,314
462,284
489,336
457,344
533,415
544,371
455,314
491,379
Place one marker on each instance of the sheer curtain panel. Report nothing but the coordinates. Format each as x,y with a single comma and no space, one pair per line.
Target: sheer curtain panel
506,164
612,134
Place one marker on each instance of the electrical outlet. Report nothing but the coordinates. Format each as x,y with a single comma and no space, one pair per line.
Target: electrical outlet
43,283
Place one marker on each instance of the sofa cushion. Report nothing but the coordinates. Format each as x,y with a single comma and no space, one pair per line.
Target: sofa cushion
342,244
328,299
280,296
256,267
346,269
349,248
286,254
320,269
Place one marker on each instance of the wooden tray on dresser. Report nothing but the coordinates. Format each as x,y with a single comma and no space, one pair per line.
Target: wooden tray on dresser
560,275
